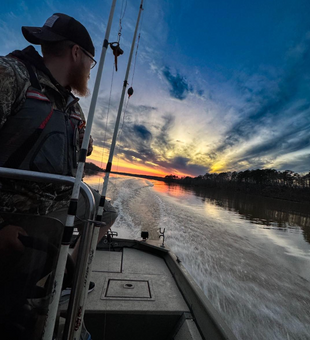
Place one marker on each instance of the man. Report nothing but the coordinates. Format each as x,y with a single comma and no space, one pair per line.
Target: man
41,122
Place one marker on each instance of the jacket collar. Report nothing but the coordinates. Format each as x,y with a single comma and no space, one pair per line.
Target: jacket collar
33,57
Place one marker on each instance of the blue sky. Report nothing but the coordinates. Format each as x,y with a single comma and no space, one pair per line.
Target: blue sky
219,85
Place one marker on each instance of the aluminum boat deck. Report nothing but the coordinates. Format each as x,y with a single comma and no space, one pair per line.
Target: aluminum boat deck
136,297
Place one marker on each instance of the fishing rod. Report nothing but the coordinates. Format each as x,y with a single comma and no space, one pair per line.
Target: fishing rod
81,308
120,108
68,230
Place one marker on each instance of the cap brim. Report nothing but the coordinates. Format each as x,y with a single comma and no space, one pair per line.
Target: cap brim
35,35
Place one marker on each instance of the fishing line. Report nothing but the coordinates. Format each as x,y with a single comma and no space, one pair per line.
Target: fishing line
121,17
134,69
107,118
132,79
120,133
115,134
129,96
137,48
104,149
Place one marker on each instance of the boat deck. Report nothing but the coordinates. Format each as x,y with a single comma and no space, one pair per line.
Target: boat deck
136,297
130,280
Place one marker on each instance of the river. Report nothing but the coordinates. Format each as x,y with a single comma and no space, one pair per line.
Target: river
250,255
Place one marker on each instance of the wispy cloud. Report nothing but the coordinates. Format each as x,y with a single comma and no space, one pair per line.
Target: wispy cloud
276,109
298,163
10,39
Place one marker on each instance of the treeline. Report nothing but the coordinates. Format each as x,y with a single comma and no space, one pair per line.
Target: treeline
267,182
91,168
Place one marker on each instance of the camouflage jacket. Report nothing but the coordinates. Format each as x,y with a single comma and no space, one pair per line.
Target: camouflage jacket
23,196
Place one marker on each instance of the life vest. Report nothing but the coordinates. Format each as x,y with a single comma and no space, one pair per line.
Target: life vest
40,138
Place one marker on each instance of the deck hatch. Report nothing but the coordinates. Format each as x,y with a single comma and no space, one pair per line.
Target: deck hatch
127,290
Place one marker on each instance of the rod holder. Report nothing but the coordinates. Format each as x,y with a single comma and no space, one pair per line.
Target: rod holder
162,234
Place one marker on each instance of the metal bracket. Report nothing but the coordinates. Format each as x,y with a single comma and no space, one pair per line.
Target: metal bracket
97,223
109,237
162,234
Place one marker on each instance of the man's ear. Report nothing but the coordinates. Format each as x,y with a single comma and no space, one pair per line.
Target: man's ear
75,52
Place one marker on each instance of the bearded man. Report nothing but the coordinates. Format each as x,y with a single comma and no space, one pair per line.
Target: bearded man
41,123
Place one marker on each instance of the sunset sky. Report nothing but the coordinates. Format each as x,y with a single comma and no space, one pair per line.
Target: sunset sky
218,85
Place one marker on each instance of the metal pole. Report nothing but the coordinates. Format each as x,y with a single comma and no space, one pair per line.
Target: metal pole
48,334
120,108
79,290
102,200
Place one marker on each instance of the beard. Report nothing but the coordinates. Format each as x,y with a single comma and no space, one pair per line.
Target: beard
78,79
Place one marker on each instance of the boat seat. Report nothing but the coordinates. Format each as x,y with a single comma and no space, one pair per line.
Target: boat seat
26,279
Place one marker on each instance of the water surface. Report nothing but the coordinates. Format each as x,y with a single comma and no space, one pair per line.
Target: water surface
250,255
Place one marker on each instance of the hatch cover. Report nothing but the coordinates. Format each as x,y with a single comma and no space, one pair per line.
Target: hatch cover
127,290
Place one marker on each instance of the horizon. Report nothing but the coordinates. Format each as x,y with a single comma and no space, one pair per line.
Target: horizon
218,86
216,173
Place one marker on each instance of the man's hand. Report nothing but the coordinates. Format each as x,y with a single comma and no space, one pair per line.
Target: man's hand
9,241
90,144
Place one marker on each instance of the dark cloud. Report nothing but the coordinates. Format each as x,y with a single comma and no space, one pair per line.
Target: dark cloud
148,147
200,93
182,164
142,132
179,87
105,118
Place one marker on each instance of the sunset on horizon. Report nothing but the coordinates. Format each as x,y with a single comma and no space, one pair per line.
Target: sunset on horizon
155,169
218,86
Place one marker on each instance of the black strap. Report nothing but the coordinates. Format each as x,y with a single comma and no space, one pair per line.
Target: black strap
33,78
18,156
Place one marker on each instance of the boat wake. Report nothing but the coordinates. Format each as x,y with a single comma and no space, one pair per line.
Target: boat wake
257,293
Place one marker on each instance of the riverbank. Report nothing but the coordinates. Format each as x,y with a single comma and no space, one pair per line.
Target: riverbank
299,195
285,185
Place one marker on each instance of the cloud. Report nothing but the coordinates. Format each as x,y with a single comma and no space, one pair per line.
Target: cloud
184,165
274,119
291,139
179,87
300,164
138,144
24,6
142,132
163,140
10,39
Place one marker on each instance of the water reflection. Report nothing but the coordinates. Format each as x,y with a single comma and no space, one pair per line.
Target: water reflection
264,211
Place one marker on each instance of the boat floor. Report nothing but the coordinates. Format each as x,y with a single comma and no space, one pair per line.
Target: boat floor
136,297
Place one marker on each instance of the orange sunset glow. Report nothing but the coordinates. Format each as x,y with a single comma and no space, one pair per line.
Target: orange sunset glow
100,155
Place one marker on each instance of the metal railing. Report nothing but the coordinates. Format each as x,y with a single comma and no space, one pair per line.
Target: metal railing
86,238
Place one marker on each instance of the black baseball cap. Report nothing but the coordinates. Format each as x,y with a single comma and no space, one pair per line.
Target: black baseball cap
60,27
